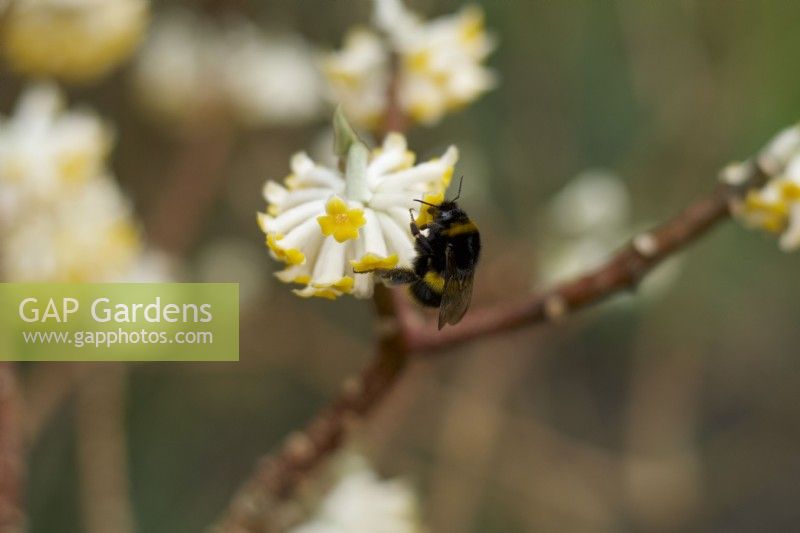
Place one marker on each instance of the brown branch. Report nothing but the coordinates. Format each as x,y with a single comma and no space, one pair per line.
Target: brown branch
403,334
191,186
394,119
12,516
102,451
622,272
275,478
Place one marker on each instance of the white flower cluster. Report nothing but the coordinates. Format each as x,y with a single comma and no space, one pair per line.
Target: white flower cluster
328,225
64,219
440,64
361,502
74,40
775,207
588,219
190,65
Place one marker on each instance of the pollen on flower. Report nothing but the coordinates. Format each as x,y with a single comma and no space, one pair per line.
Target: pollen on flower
291,256
370,262
344,285
341,221
314,292
447,176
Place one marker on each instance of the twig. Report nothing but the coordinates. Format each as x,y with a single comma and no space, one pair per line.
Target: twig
48,387
403,335
623,271
192,185
275,478
394,119
103,452
12,516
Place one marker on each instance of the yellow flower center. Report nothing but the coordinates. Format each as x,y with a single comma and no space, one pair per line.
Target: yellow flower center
419,61
770,215
340,220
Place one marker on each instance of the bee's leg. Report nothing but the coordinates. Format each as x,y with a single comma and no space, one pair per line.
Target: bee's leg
397,276
415,229
419,238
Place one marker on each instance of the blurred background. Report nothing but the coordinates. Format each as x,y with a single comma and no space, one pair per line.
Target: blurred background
673,409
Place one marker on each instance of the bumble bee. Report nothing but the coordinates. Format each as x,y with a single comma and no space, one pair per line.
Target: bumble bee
444,266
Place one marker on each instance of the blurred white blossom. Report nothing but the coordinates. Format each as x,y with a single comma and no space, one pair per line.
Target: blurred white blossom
586,222
45,151
152,266
325,225
64,217
440,64
361,502
775,207
271,79
190,65
88,235
595,201
74,40
358,76
442,59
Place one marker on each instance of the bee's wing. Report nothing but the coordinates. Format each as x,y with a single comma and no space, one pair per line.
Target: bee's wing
457,292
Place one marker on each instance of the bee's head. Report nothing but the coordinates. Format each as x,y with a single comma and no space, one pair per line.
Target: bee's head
446,211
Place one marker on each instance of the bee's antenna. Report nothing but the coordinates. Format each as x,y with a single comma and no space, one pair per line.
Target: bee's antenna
460,183
426,203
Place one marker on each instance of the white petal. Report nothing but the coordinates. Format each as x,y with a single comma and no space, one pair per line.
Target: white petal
401,216
393,155
274,192
293,272
329,267
302,196
427,172
783,146
363,286
422,173
386,200
309,173
264,221
301,234
291,218
790,240
398,238
374,242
